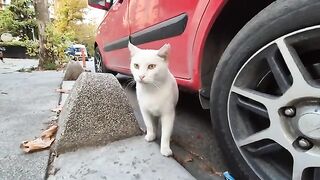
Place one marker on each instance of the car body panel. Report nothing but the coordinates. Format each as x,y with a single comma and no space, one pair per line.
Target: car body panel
160,11
114,27
211,13
135,17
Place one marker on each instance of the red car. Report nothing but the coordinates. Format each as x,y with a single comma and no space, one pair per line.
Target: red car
255,65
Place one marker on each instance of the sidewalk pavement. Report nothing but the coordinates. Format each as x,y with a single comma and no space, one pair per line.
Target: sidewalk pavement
12,65
131,158
25,103
127,159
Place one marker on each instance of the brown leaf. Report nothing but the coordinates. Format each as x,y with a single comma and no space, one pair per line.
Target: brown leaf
188,158
57,109
63,90
217,173
37,144
197,155
42,142
49,132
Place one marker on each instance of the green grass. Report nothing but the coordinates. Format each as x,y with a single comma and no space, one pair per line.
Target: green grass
50,66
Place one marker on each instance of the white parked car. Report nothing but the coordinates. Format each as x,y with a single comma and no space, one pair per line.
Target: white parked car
78,54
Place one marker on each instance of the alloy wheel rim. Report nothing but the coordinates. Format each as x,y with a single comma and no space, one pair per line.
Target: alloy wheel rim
274,107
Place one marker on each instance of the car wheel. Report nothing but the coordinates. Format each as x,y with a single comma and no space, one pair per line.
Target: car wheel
98,63
266,109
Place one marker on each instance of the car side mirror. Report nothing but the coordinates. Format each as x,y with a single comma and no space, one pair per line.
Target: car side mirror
101,4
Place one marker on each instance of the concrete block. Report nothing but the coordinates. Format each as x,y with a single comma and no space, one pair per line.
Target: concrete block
73,71
96,112
66,85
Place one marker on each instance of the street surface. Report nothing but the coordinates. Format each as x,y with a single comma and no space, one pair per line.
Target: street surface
127,159
25,103
193,141
12,65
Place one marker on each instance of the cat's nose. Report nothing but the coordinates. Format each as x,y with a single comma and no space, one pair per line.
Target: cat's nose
142,76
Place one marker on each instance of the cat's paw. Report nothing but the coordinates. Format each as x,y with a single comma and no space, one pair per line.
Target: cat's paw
166,151
150,137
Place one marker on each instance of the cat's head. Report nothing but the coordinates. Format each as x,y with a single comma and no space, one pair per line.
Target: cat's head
149,66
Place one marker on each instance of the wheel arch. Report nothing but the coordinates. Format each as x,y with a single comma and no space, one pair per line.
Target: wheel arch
232,17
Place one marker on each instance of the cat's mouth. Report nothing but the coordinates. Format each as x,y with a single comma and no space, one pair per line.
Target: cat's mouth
142,81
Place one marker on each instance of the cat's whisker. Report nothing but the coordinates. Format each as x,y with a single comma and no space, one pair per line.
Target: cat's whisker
130,84
133,83
129,80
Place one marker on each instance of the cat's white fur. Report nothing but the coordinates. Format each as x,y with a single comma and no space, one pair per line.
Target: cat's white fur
157,92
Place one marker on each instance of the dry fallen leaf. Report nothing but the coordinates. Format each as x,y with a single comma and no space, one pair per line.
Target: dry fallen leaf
217,173
37,144
63,90
188,158
197,155
57,109
49,132
42,142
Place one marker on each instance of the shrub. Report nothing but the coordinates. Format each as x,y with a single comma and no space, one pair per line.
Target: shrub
50,66
31,46
57,43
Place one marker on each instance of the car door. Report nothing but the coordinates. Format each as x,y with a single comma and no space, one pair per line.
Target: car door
113,35
156,22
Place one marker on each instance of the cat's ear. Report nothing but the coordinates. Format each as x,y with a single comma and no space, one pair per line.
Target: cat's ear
164,51
133,49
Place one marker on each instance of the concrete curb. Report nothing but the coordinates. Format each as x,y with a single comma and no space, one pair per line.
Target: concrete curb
96,113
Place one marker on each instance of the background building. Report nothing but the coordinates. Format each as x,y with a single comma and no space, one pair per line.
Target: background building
3,3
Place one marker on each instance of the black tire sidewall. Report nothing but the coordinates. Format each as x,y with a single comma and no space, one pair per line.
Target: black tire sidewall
98,54
103,66
278,19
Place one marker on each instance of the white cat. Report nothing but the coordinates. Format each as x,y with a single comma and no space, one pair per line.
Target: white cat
157,91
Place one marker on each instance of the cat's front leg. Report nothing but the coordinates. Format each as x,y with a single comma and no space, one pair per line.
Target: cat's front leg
150,125
167,121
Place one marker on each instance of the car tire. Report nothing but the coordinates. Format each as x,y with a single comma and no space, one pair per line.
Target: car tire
98,63
278,19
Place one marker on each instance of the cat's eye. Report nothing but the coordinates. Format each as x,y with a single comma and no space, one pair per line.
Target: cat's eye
151,66
136,66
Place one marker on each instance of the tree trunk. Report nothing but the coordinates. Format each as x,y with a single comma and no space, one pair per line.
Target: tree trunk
42,15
